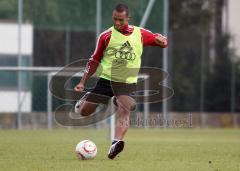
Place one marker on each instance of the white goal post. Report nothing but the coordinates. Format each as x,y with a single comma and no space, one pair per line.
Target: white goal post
50,72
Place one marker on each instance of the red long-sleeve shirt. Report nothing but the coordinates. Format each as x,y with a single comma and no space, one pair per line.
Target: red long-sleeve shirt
148,39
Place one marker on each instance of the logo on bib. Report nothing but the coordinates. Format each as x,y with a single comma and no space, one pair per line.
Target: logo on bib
125,52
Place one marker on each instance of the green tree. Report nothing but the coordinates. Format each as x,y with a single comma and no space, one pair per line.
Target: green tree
8,9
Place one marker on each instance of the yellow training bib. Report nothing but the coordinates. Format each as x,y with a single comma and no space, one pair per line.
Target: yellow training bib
122,58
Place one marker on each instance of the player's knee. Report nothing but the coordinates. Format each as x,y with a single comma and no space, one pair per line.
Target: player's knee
133,107
128,104
127,108
83,109
86,112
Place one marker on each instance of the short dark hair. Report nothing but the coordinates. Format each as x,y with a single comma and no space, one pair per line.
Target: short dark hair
121,8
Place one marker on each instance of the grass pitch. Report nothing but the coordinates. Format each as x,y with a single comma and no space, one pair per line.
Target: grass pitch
151,149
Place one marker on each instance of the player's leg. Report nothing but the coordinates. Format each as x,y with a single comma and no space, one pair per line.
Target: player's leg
85,107
126,104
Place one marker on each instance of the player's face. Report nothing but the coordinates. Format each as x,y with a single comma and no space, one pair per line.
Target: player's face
120,19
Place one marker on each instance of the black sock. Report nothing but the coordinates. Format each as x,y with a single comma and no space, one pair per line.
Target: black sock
114,141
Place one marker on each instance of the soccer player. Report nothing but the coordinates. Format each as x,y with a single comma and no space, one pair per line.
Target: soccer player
118,49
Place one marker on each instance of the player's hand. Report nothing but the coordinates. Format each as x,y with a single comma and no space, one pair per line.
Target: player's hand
161,40
79,87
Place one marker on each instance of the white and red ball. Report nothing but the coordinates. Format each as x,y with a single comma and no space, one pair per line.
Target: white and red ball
86,150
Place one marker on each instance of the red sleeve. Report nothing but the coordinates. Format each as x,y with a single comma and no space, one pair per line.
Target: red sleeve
148,38
95,59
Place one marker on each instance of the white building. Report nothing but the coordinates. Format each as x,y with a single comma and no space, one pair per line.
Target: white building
9,50
234,24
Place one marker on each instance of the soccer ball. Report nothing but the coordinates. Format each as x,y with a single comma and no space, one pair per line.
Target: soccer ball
86,150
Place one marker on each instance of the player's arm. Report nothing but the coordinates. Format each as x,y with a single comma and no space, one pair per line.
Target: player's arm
153,39
161,40
93,62
88,72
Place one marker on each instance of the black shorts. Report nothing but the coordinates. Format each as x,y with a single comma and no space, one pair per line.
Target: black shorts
105,89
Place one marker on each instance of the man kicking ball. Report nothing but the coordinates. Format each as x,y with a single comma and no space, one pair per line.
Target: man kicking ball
118,50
